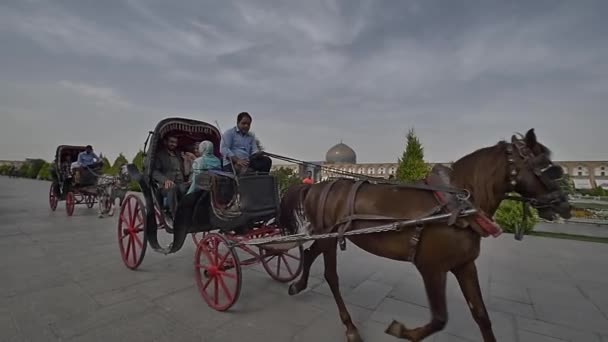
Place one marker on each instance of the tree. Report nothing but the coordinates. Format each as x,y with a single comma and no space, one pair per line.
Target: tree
138,160
120,161
285,177
411,164
34,167
509,216
567,185
45,172
107,167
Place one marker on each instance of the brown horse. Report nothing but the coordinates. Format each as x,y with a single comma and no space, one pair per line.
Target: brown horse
523,166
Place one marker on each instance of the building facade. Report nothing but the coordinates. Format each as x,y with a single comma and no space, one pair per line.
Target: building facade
342,158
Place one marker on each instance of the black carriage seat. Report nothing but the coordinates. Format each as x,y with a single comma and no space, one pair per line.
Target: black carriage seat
258,195
233,206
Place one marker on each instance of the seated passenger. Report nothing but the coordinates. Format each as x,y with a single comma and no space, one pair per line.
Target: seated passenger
206,161
89,159
239,148
168,171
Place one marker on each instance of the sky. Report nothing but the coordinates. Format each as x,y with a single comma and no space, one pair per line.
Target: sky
464,74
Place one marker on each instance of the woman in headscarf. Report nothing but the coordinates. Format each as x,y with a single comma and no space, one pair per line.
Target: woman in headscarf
206,161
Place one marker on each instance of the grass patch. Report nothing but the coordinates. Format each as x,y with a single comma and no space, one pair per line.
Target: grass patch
570,237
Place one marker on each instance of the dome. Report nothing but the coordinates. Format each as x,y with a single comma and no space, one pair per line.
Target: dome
341,154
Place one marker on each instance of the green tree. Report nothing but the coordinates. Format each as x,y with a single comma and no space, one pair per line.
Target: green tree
45,172
138,160
411,164
107,167
120,161
567,185
5,170
23,170
509,216
285,177
34,168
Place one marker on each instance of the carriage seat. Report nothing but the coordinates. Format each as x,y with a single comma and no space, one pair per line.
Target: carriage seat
259,195
249,197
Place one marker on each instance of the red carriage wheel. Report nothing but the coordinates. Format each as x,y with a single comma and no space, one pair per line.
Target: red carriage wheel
218,272
70,203
131,235
53,200
282,265
197,237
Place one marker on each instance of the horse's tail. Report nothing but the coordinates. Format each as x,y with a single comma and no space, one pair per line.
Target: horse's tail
291,208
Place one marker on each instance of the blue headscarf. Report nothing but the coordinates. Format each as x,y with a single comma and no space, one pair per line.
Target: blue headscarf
206,161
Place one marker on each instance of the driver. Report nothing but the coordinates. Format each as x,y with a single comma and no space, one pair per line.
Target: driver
169,172
88,158
240,149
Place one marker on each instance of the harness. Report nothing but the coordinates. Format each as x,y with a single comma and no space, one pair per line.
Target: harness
453,200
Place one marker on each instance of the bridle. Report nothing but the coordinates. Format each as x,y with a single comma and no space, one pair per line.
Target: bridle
548,175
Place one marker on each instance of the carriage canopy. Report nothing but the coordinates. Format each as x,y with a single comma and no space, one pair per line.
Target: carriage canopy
64,151
188,132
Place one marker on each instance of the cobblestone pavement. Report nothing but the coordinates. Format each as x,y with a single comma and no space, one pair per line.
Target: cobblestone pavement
62,279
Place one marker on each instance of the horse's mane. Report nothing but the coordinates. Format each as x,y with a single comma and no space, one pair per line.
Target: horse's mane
484,174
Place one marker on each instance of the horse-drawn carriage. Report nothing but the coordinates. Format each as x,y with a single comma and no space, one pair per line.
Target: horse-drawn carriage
436,224
227,209
72,186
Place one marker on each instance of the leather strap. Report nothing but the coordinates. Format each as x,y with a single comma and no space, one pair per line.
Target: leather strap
350,204
320,221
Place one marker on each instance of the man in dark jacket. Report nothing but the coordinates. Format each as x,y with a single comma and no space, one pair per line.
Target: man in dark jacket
168,171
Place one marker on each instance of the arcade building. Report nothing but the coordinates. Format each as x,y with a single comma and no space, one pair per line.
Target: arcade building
584,174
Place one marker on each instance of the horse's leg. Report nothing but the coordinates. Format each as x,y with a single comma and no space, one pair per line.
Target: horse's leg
469,284
434,283
331,276
309,257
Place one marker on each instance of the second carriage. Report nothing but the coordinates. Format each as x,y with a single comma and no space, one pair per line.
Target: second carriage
226,211
74,186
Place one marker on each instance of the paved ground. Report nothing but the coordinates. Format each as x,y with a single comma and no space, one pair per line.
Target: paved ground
62,280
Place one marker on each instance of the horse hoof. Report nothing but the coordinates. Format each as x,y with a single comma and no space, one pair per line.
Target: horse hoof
395,329
353,336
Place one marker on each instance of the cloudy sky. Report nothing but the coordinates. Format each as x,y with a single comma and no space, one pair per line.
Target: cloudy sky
464,74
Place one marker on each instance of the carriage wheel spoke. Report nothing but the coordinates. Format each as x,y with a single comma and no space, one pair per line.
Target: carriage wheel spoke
291,256
287,265
133,251
225,288
206,285
134,215
216,289
278,266
130,214
136,238
128,247
229,275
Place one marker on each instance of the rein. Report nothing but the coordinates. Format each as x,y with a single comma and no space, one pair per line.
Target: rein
462,193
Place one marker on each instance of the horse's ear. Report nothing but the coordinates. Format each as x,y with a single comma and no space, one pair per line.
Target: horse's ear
531,138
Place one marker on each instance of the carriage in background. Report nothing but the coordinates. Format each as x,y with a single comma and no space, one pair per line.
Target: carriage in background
226,210
74,188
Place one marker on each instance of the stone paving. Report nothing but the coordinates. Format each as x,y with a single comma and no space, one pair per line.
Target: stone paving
62,279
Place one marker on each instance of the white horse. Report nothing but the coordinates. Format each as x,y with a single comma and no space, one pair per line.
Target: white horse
111,187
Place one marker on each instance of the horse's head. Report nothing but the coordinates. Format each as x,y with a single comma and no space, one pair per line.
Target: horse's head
533,175
123,176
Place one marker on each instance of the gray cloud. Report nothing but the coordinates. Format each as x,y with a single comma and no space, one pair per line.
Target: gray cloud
464,74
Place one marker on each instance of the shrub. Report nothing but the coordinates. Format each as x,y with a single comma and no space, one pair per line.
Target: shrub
509,216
